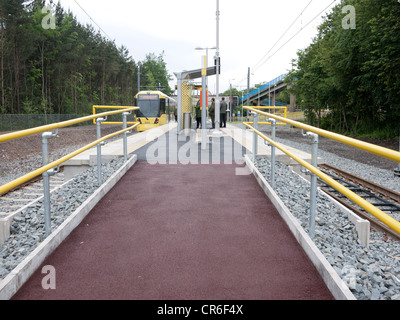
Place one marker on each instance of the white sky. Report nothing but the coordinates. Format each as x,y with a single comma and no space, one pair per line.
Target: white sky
247,32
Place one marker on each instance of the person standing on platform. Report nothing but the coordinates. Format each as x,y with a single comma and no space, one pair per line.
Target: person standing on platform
176,113
198,114
211,112
222,114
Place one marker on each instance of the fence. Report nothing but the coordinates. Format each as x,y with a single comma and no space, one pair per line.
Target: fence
10,122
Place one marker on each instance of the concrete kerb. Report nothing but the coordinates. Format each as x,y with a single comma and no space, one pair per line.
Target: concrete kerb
15,280
113,150
335,284
5,222
363,226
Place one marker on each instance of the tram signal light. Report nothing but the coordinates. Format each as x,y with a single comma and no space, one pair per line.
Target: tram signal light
219,65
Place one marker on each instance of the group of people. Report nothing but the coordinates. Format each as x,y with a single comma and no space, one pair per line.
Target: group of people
211,112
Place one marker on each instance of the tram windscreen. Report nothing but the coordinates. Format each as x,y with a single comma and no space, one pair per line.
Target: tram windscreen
149,106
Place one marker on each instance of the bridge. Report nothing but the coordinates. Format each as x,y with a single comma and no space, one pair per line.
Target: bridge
268,93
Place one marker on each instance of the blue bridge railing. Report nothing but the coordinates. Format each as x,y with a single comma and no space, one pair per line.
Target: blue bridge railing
265,86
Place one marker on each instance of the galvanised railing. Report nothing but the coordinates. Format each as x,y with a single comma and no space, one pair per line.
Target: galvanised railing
313,132
47,169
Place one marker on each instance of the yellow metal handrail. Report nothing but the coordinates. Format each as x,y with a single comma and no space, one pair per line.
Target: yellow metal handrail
12,184
369,147
388,220
27,132
273,108
111,107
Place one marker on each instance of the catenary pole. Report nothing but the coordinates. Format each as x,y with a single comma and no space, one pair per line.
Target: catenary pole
217,130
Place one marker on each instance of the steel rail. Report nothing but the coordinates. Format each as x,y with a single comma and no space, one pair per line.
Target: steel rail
377,223
26,184
393,195
380,215
27,132
369,147
371,187
12,184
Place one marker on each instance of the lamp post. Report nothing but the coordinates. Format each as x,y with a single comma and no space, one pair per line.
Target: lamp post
201,48
242,107
217,131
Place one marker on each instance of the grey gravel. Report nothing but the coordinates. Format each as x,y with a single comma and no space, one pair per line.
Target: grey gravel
371,273
27,230
15,169
382,177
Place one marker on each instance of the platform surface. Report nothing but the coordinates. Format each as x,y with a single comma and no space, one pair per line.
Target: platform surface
179,232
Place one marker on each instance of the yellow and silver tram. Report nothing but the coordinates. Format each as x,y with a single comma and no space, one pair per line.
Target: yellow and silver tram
152,112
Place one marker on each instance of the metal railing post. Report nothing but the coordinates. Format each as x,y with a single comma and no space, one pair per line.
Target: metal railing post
273,132
46,181
125,134
48,167
255,137
384,152
313,192
98,136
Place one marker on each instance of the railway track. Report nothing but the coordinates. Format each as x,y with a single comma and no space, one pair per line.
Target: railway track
23,195
385,199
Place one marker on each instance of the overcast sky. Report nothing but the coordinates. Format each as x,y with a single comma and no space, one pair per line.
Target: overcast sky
248,31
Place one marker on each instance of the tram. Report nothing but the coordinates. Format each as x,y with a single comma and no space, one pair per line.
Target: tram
152,112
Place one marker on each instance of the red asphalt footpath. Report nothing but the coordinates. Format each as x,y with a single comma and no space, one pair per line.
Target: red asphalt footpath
181,232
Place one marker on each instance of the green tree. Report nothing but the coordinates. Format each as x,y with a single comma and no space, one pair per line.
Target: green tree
353,71
155,73
65,68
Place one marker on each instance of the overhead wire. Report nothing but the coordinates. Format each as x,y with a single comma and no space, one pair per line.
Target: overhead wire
295,34
255,66
93,20
261,62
